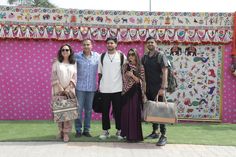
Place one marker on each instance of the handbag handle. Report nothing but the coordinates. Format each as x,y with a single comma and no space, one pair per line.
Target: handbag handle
69,95
164,97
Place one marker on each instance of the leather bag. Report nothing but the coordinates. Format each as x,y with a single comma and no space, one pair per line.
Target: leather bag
159,112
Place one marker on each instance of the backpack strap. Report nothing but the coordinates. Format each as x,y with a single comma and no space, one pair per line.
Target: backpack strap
160,57
144,59
102,57
121,58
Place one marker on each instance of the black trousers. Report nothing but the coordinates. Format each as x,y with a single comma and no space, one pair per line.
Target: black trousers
152,96
115,100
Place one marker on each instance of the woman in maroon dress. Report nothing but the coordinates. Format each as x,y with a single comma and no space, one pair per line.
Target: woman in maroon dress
133,83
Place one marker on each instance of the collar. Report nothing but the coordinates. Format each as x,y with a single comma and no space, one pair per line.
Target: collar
84,54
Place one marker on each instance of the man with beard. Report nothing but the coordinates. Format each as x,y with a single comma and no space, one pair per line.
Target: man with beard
110,80
156,83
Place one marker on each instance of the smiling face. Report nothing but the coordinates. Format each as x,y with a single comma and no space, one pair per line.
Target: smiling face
87,46
65,51
151,45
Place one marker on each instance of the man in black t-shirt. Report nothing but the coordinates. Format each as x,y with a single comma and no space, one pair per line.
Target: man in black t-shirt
156,83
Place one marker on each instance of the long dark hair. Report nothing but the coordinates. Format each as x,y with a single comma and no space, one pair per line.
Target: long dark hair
138,62
71,56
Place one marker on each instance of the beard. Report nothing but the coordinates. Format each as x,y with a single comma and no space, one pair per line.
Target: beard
111,48
151,48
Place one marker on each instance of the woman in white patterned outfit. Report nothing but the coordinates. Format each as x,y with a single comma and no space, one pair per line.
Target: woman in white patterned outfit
63,81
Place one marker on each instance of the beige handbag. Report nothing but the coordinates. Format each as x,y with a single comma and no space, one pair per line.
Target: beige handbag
64,107
160,112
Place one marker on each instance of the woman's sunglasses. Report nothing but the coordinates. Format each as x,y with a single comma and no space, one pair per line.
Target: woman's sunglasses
67,50
131,54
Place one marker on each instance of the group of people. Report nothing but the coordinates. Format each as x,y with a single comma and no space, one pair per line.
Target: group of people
125,83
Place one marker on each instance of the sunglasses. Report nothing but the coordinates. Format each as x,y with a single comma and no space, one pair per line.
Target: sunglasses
131,54
67,50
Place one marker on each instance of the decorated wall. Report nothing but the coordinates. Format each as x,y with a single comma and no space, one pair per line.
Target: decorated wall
30,38
128,26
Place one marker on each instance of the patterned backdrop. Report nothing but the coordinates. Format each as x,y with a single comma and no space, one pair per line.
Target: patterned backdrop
128,26
198,71
25,68
229,89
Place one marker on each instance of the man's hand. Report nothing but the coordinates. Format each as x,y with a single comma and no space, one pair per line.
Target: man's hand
161,92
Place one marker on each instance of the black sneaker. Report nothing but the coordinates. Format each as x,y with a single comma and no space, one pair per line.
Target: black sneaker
87,134
78,134
153,135
162,141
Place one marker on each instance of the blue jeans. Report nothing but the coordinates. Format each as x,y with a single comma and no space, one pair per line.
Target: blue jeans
85,100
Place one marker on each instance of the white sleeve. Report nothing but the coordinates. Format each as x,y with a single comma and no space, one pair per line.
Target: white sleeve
100,65
125,59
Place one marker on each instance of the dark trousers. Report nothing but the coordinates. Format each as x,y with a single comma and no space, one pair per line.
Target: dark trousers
115,99
152,96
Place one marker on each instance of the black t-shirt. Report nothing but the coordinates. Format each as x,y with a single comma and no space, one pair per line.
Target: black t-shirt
153,72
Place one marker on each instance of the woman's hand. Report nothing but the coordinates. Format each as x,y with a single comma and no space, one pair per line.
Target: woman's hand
234,72
70,86
129,73
67,89
60,87
145,98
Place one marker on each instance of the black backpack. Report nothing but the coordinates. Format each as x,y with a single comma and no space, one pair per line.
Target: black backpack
172,82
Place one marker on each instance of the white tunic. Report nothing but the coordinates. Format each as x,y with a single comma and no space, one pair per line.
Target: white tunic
65,73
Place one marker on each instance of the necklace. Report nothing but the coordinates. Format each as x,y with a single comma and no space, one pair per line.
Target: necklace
111,58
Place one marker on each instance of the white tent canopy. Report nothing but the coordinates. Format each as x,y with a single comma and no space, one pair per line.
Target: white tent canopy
144,5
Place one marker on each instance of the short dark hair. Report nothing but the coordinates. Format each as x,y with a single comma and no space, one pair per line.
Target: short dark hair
112,38
150,38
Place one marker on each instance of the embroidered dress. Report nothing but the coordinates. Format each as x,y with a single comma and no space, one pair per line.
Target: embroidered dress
64,103
63,73
132,104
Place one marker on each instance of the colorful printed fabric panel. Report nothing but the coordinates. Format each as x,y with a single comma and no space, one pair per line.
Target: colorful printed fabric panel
127,26
199,71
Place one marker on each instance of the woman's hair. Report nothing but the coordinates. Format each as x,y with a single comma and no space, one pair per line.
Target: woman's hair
71,56
138,61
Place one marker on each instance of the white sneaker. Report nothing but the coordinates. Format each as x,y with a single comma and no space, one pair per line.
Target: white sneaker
118,135
104,135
